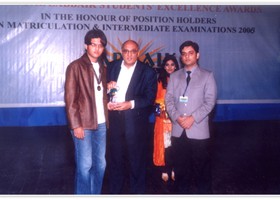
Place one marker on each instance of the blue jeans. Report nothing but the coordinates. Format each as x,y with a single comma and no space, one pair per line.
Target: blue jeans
90,160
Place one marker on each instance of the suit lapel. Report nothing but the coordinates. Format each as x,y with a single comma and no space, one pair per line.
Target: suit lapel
182,76
195,77
117,69
182,81
135,79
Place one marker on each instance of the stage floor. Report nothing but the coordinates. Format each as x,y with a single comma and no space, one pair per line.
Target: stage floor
40,160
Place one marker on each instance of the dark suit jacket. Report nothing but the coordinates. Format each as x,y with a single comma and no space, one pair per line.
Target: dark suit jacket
142,89
128,130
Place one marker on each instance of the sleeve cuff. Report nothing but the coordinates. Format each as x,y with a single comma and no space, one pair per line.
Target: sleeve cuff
132,104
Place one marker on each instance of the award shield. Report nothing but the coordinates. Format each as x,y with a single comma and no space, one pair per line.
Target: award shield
113,94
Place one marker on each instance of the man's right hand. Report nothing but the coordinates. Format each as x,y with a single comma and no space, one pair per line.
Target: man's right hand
79,133
111,84
185,122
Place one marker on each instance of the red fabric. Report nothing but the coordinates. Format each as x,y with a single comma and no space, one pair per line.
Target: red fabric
162,124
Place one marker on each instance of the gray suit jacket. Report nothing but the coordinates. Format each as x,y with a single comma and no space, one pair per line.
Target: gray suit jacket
202,95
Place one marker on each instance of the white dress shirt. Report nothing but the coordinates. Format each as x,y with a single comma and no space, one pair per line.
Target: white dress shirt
98,96
123,82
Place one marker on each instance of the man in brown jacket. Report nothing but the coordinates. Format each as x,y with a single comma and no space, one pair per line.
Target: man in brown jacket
86,100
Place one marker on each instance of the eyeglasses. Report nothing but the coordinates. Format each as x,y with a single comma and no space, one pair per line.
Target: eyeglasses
126,51
97,45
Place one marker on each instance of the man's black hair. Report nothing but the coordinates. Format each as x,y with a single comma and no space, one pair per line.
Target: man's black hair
95,33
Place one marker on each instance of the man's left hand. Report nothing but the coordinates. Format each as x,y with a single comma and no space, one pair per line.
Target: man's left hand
121,106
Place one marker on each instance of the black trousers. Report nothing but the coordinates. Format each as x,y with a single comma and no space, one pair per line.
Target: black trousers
168,162
192,165
127,154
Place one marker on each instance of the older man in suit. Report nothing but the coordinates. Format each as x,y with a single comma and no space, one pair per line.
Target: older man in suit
135,85
191,96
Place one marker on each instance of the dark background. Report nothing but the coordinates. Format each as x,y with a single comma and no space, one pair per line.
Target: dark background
40,160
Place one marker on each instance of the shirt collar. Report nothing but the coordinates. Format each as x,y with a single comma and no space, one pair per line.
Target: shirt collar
192,70
123,66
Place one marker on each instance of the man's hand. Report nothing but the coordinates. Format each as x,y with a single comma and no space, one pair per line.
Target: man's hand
119,106
185,122
111,84
79,133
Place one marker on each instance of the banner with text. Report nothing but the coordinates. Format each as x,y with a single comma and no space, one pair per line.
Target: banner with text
239,43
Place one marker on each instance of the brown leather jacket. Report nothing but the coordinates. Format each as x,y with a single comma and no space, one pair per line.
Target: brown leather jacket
79,94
